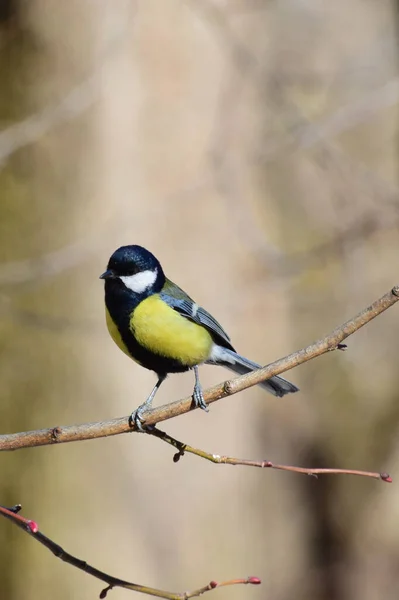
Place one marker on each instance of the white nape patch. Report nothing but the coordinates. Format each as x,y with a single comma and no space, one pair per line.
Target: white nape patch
194,309
140,282
220,354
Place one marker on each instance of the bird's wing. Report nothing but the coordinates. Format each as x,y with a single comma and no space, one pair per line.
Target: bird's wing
183,304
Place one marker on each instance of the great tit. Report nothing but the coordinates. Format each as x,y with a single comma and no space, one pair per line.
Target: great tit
160,327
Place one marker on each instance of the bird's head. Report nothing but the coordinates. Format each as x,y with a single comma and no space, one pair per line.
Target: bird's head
136,269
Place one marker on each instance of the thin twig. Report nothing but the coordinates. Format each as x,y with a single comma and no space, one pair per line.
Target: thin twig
344,119
262,464
72,105
88,431
32,528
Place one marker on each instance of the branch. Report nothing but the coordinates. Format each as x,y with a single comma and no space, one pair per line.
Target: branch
88,431
72,105
77,101
262,464
32,529
344,119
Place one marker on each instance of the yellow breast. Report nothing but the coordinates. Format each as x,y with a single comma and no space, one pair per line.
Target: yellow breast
116,336
164,331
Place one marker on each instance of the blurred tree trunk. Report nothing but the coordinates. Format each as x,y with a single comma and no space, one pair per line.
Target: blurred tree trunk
43,187
308,186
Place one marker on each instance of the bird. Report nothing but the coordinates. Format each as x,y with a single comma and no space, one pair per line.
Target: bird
161,328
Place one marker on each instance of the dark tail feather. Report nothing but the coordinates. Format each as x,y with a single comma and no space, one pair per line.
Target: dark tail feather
278,386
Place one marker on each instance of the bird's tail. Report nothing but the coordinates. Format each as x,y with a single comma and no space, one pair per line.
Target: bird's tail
278,386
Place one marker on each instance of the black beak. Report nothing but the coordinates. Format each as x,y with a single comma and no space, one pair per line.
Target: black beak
108,275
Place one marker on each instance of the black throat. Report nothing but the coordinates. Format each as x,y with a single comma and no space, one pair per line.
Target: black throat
121,301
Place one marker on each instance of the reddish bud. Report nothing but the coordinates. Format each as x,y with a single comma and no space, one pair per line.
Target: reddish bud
254,580
213,584
268,463
386,477
33,526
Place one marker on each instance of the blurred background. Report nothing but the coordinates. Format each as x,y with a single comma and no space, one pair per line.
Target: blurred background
252,145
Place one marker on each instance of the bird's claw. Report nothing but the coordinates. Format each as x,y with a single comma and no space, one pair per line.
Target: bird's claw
198,399
136,419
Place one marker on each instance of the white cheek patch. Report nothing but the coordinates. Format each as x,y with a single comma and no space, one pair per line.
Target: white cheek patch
140,282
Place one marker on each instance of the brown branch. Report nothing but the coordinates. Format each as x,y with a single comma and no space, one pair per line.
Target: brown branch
344,119
262,464
72,105
87,431
32,529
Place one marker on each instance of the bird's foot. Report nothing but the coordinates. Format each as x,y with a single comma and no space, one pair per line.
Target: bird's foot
198,398
136,418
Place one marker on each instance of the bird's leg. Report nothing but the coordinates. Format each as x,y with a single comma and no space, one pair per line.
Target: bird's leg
136,418
197,394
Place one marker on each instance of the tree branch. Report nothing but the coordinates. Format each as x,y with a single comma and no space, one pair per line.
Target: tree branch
88,431
72,105
262,464
32,529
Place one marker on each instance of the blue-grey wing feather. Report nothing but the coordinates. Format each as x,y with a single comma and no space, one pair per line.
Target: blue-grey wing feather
182,303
